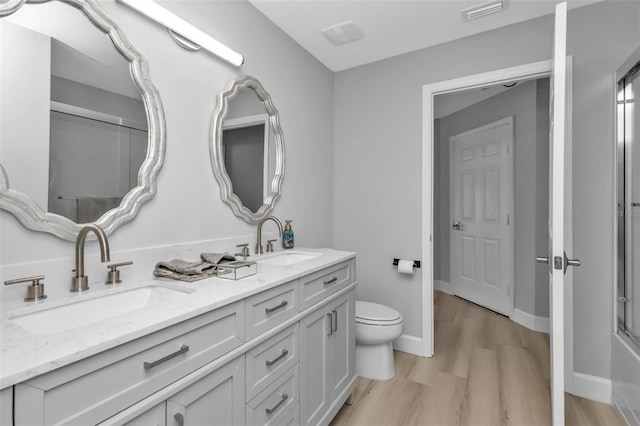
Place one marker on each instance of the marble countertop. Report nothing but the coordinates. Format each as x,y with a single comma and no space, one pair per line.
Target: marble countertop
24,355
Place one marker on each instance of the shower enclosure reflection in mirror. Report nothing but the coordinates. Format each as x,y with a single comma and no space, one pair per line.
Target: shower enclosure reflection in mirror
70,71
627,212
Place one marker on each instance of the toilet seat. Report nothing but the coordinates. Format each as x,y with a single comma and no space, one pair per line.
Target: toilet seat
375,314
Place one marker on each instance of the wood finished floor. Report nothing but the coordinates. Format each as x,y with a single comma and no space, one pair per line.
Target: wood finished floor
487,370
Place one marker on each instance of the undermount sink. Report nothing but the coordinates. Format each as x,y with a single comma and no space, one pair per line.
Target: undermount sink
80,312
289,258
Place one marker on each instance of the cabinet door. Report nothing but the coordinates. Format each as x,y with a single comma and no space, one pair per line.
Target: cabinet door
342,344
314,392
156,416
216,399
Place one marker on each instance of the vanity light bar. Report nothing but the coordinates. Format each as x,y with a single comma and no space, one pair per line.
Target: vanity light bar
185,30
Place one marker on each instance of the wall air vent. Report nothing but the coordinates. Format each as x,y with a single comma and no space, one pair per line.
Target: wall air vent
484,9
344,32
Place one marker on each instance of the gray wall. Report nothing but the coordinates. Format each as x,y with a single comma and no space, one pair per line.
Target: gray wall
377,131
188,84
531,174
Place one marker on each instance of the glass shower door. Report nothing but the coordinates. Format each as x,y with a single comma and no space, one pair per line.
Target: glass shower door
629,192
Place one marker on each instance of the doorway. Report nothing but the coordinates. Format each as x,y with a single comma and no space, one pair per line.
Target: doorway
430,156
481,213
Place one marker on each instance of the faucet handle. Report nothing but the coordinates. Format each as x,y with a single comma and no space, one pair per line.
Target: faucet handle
244,252
270,245
113,276
35,291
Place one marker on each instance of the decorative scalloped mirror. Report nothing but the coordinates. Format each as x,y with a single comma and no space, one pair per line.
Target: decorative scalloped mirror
83,133
247,149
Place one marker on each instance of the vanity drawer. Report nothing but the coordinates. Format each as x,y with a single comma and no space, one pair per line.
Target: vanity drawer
319,285
292,418
273,405
95,388
270,359
271,307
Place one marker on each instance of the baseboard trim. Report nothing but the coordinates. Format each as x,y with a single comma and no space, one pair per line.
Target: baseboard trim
532,322
408,344
443,286
592,387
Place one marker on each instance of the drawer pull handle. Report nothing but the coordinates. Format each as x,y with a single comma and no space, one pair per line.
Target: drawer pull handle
278,358
275,308
179,419
149,365
331,281
334,321
284,397
330,318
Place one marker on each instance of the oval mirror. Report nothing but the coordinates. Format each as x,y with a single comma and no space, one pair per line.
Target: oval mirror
247,149
83,134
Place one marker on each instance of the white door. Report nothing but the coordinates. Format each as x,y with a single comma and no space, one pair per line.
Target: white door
559,213
481,180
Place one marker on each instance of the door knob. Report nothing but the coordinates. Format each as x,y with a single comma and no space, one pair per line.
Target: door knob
559,263
457,226
570,262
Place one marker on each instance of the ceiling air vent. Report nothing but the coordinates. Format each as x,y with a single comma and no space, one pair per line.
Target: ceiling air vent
484,9
342,33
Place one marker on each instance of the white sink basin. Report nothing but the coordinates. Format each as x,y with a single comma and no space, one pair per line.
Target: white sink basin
289,258
80,312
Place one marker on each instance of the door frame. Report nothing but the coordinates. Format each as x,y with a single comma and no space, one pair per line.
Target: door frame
511,237
539,69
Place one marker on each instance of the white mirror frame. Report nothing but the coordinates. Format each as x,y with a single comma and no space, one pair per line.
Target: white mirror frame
217,152
29,213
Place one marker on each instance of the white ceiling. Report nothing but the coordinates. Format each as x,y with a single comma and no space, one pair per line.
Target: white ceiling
391,27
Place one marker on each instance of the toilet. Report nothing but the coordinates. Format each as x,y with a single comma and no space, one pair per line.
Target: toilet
376,327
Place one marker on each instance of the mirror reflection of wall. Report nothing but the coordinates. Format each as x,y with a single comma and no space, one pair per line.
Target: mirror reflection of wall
76,128
244,144
248,143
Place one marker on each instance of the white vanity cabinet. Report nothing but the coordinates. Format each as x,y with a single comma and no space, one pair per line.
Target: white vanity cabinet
327,359
281,356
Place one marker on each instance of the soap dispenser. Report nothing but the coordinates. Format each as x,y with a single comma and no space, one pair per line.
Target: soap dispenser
287,235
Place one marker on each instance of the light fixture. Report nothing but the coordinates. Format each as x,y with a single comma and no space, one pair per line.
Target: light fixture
183,33
344,32
483,9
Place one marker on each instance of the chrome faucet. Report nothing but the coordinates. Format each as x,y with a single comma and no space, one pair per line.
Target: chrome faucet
80,281
259,240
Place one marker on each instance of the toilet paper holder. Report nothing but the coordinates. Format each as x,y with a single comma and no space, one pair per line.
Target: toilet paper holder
416,263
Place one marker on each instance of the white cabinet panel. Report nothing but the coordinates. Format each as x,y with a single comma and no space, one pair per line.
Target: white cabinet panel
216,399
269,308
156,416
270,359
327,363
272,406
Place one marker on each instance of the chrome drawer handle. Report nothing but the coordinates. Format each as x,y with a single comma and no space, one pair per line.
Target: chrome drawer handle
179,419
330,318
275,407
149,365
334,321
278,358
275,308
331,281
